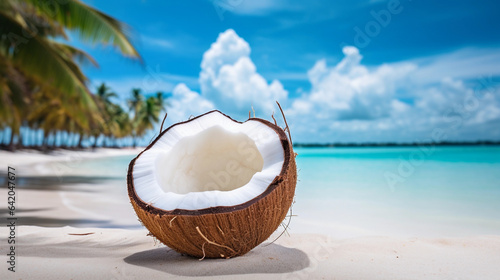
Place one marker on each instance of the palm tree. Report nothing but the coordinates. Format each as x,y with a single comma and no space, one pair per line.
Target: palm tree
108,109
145,112
30,47
123,123
105,94
53,116
13,99
136,102
148,116
135,105
160,99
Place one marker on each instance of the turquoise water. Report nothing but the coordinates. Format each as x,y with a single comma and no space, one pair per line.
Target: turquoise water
407,191
110,167
430,191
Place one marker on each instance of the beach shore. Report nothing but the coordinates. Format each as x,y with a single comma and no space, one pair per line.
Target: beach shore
32,161
71,225
97,253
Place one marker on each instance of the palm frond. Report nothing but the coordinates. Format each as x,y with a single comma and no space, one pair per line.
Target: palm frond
92,25
50,67
79,55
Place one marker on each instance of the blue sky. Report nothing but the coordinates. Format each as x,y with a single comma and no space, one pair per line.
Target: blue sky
344,71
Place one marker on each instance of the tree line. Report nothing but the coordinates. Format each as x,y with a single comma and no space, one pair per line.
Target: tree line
43,89
48,125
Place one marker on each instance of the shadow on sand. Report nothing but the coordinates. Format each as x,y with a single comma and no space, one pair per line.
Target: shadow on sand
56,183
263,259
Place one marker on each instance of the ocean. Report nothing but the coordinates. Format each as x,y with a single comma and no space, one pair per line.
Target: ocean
397,191
407,191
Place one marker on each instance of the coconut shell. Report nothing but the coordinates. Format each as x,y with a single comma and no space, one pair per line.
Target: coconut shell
224,231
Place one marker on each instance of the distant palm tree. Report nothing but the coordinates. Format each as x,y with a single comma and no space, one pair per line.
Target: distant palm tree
160,98
135,105
105,94
13,99
124,123
52,116
145,112
148,116
136,101
33,57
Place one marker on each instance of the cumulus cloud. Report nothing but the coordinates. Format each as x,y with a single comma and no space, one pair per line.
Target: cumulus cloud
352,102
350,90
229,77
187,103
465,64
348,101
229,81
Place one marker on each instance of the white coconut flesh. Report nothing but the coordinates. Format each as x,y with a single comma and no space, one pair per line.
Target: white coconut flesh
208,162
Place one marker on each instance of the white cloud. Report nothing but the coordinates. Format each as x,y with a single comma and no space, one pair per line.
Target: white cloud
353,102
349,101
468,63
287,76
185,103
226,50
350,90
230,80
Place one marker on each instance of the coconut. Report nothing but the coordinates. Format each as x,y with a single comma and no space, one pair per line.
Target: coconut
214,187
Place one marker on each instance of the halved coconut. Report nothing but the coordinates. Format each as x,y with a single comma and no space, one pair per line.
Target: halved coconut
214,187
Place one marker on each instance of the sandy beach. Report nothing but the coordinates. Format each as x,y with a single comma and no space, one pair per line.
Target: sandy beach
72,226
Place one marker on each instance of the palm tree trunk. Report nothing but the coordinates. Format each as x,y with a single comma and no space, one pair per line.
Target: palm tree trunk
19,140
95,142
19,143
64,139
69,139
73,141
51,140
47,138
44,140
33,137
80,138
11,141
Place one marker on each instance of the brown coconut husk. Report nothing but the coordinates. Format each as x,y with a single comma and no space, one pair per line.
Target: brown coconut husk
224,231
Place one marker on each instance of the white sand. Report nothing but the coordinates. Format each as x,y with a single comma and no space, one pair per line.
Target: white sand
27,157
52,253
118,247
58,162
